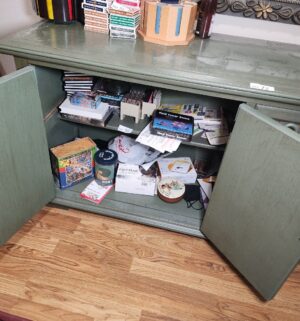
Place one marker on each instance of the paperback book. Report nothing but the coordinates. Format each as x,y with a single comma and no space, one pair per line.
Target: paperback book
95,192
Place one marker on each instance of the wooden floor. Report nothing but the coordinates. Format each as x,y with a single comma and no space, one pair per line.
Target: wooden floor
70,265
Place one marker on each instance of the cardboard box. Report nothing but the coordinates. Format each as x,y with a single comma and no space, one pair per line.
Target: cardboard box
180,168
74,161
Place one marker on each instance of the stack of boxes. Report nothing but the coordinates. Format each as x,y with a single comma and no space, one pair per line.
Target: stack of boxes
120,18
124,19
96,15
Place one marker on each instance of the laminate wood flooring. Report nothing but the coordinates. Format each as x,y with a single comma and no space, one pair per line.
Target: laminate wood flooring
75,266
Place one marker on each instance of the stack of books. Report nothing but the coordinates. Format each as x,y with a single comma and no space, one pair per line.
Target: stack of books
76,82
124,19
96,16
83,103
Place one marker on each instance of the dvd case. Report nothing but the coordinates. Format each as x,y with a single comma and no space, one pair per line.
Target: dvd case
172,125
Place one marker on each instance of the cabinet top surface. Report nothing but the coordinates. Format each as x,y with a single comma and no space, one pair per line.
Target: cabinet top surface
221,64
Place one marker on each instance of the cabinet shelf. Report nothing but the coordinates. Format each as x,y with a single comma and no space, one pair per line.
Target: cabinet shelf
149,210
171,97
115,121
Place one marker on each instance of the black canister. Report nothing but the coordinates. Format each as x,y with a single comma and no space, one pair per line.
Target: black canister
105,166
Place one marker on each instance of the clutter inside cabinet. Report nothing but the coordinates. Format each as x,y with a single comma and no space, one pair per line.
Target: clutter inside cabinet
151,160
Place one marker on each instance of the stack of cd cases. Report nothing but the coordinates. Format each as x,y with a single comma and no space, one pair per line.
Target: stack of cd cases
77,82
96,15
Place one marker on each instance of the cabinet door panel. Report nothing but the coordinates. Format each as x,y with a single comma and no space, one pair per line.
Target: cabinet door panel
26,183
254,214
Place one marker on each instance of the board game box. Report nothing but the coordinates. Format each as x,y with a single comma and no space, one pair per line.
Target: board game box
74,161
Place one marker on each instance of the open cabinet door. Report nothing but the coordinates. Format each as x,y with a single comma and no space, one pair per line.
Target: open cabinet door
254,215
26,183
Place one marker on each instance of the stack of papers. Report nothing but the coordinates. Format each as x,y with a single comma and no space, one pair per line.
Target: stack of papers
160,143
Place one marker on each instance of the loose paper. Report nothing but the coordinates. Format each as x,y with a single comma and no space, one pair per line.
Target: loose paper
159,143
254,85
125,129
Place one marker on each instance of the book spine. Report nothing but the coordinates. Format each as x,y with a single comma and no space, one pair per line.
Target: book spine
78,11
207,10
42,8
50,9
61,11
70,6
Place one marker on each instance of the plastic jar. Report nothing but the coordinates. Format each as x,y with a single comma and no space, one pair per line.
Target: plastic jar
105,166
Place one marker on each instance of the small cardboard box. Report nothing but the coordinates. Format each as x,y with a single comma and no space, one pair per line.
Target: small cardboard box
180,168
74,161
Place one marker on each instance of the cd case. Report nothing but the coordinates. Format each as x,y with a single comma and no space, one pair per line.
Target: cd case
172,125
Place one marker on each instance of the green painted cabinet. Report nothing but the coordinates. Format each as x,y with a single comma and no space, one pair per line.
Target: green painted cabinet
254,214
26,178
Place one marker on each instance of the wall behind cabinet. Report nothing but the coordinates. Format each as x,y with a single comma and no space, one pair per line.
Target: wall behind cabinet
257,29
14,15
